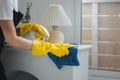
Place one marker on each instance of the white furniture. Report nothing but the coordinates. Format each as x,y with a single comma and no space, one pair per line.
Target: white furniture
18,60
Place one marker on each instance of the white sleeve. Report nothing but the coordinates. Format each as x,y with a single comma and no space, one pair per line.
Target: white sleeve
6,9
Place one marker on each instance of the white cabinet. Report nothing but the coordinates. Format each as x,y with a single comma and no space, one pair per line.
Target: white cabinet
42,67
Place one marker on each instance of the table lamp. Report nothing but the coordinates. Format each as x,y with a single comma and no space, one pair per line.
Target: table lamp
55,16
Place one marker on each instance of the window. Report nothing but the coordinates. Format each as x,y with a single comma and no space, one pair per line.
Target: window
101,28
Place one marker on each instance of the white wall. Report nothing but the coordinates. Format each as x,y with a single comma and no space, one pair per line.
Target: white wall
39,7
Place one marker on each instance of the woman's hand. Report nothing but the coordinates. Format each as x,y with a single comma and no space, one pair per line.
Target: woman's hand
40,30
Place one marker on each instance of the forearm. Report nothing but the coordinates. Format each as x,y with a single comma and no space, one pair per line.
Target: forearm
12,39
19,42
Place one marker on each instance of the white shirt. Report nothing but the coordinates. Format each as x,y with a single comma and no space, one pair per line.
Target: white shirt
6,9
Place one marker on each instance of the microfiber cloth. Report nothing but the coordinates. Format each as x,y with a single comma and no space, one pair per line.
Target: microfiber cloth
69,60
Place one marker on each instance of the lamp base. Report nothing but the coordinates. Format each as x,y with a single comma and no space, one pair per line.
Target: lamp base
56,35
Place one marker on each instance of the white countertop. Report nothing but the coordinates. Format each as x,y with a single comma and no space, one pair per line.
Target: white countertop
83,47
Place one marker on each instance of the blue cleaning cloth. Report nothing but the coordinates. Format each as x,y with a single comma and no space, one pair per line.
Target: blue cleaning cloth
70,60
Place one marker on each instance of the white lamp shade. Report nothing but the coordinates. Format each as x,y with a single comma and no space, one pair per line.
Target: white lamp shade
56,16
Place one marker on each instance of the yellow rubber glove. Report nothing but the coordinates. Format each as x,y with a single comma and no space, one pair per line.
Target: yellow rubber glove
27,27
41,48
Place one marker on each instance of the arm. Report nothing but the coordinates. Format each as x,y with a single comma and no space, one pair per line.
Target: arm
12,39
37,47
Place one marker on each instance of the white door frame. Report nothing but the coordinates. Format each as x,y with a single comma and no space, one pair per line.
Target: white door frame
100,1
78,21
95,35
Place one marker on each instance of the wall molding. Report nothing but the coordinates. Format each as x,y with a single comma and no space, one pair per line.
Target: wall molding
103,75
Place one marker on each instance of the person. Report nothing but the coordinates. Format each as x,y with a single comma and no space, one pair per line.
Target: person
8,34
8,29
